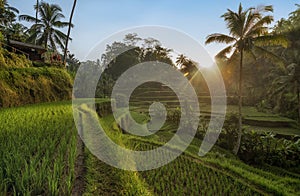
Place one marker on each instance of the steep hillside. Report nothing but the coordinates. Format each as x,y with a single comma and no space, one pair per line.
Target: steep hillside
19,86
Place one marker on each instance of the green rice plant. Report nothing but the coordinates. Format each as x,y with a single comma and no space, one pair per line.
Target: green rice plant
38,147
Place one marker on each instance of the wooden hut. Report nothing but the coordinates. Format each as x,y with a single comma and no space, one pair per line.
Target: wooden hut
33,52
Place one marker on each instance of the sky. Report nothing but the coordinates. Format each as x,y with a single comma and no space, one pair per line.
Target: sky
96,20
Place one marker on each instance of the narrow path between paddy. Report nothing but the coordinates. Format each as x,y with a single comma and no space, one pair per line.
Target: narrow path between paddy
80,170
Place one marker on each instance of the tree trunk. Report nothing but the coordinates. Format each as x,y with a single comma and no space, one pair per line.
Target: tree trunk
36,15
298,99
69,31
37,11
238,142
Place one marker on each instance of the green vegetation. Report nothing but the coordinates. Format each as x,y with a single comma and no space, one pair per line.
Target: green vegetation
19,86
23,81
248,34
12,60
41,153
38,150
102,179
217,173
46,31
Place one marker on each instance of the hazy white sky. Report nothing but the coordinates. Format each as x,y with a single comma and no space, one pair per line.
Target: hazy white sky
97,19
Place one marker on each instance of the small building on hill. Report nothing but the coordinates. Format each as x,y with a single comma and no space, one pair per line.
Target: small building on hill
33,52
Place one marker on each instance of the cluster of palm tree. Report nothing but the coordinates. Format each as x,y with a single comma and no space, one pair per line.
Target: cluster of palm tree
7,13
248,33
8,25
45,31
286,83
46,28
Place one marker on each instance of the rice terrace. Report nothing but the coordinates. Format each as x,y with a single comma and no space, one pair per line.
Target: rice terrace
146,111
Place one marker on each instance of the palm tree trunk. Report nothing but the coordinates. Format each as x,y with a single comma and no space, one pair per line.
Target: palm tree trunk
298,99
36,15
37,11
238,142
69,31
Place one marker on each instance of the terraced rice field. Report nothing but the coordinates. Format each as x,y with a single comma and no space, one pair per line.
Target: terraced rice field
143,97
37,150
39,154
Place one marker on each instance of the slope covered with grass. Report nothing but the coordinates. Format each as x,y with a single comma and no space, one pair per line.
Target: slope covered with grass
19,86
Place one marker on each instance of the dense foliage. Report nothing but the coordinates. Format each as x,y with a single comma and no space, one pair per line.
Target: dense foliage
259,148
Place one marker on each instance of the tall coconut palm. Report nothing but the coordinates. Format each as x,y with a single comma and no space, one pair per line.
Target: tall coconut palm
46,31
69,31
248,33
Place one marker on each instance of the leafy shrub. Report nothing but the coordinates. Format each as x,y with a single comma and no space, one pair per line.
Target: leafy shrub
228,136
259,148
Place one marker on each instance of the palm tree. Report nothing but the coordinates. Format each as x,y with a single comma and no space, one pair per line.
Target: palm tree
69,31
181,60
287,80
18,32
187,66
248,32
46,31
7,14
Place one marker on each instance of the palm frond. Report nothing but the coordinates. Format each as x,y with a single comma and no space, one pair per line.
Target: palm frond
271,40
60,24
56,7
36,27
267,54
59,42
220,38
256,32
33,36
42,12
233,56
224,52
234,22
27,18
264,8
61,35
250,21
13,9
258,28
252,54
52,43
57,17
